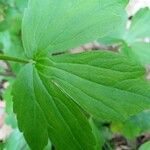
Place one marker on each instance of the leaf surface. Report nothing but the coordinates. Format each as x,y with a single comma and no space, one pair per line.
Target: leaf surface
140,24
53,92
137,124
52,96
56,25
107,84
145,146
138,51
16,141
44,111
136,37
31,118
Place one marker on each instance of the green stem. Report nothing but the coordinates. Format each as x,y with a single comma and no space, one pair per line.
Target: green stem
14,59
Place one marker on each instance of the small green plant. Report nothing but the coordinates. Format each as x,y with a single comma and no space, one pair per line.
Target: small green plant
58,98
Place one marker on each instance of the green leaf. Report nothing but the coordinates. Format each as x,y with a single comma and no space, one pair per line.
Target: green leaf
12,46
145,146
139,51
8,13
136,47
98,135
2,145
16,141
123,2
31,118
140,122
139,28
117,35
56,25
44,111
107,84
134,126
49,146
10,119
51,96
21,4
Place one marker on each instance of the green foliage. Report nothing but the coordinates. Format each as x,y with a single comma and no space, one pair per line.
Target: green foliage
134,126
60,25
10,36
49,106
16,141
57,97
139,124
10,119
102,94
139,51
132,40
49,89
139,26
136,34
145,146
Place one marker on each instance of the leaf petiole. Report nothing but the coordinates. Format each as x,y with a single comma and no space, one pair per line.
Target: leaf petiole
14,59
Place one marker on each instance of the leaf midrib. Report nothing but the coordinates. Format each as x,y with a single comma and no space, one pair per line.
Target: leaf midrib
88,65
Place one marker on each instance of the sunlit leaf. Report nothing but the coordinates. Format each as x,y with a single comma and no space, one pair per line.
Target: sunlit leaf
60,25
